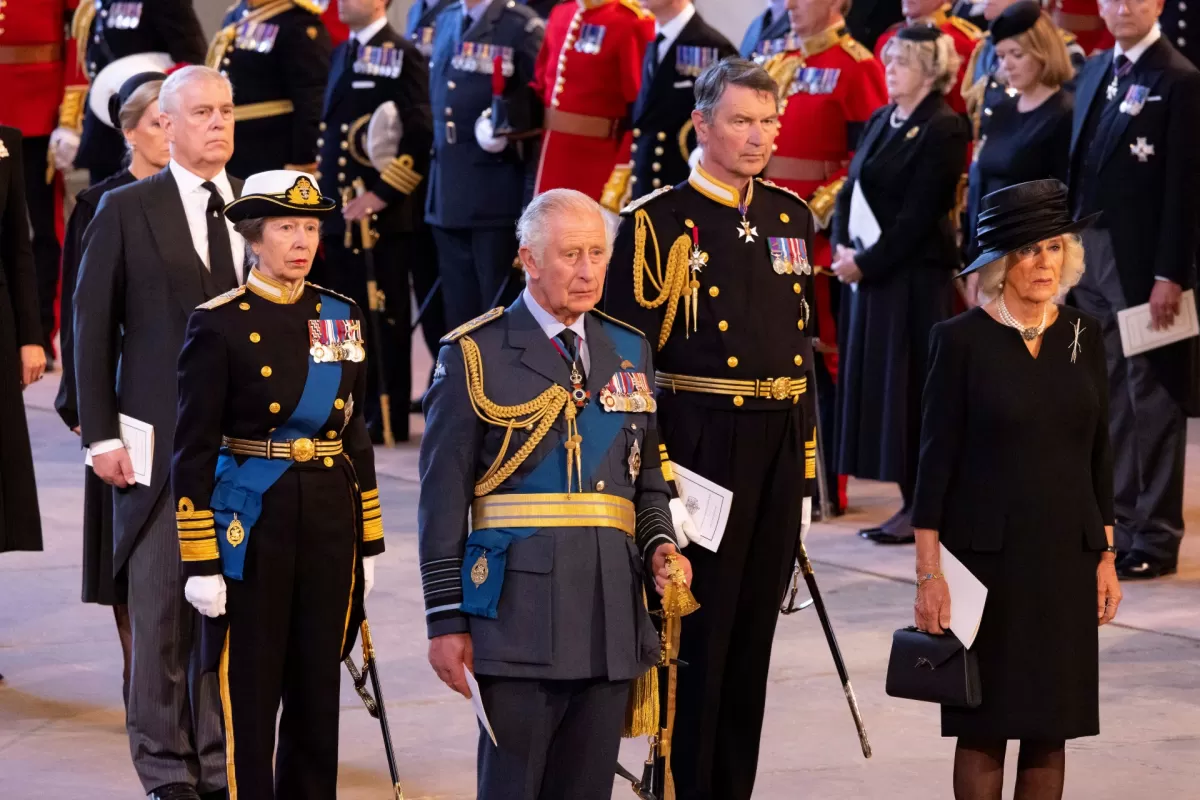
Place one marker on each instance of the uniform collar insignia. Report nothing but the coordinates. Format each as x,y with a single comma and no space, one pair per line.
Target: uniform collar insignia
715,190
818,43
273,290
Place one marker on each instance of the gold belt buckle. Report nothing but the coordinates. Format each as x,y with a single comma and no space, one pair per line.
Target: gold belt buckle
781,388
303,450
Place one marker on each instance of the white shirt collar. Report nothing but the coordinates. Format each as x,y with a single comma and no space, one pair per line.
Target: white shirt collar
550,326
672,29
1139,49
368,33
188,181
777,8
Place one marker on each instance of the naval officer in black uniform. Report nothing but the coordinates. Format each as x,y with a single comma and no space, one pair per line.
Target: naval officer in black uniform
725,298
276,55
663,134
276,502
376,131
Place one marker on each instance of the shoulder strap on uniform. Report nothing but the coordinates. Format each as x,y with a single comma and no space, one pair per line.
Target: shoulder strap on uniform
330,292
856,50
222,299
310,6
473,325
225,36
641,201
784,189
969,28
636,7
616,321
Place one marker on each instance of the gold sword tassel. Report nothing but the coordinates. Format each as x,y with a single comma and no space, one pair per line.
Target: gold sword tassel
677,602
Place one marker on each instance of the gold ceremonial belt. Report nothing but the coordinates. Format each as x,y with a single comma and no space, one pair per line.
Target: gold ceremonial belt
578,510
270,108
30,53
770,388
299,450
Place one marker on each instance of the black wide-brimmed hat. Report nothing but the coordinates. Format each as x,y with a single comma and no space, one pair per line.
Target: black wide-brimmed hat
1021,215
279,193
1015,20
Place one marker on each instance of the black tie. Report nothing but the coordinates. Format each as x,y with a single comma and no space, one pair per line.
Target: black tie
220,254
466,24
351,54
652,60
570,341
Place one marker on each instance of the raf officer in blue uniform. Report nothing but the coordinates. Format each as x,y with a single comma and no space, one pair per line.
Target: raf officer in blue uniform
419,24
479,184
774,23
541,426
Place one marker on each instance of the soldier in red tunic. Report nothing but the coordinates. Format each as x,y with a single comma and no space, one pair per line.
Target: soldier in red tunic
830,84
936,14
588,74
37,64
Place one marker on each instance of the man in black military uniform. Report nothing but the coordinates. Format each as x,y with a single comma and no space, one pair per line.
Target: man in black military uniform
376,131
276,55
716,272
1179,21
168,26
277,505
419,24
663,134
479,184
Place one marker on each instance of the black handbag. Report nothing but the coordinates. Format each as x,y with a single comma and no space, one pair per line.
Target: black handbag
934,669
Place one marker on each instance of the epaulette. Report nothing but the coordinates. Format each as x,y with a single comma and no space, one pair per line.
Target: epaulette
475,324
616,321
636,7
311,6
784,189
856,50
330,292
641,201
967,27
222,299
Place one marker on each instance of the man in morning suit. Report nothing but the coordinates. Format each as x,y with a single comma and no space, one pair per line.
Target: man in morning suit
663,135
379,80
479,184
276,55
1133,158
156,250
544,599
770,25
736,355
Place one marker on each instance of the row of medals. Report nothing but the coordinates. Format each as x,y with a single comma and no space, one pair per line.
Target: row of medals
338,351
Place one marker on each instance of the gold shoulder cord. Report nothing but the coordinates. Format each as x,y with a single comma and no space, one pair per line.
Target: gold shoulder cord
81,31
225,36
541,412
671,284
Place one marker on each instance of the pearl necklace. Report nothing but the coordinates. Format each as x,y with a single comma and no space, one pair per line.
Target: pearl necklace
1028,334
895,121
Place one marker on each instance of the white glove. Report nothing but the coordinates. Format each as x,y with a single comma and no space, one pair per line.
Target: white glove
485,134
368,575
206,593
695,157
685,529
805,518
64,146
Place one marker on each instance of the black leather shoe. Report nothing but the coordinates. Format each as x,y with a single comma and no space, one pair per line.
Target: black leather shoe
1139,566
219,794
870,533
900,537
175,791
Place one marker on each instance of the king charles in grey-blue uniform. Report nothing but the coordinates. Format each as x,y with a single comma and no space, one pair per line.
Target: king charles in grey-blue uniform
567,506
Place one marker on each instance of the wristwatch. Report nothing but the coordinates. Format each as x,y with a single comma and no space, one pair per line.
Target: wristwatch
1111,549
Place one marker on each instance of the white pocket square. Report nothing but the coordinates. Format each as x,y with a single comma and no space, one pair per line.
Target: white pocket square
684,84
362,85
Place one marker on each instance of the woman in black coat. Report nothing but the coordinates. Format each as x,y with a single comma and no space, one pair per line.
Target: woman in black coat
1027,136
1016,481
133,110
907,168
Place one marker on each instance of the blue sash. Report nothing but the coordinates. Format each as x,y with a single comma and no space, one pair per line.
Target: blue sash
240,489
599,430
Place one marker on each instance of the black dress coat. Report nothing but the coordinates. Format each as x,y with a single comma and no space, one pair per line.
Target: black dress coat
20,522
1016,477
99,583
909,176
1158,235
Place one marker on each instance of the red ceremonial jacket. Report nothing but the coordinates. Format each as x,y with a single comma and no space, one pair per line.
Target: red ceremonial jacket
37,64
965,35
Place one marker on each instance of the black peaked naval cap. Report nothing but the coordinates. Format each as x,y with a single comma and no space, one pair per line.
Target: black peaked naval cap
1021,215
279,193
1015,20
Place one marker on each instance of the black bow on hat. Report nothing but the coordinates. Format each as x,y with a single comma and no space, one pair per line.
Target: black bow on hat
1021,215
131,85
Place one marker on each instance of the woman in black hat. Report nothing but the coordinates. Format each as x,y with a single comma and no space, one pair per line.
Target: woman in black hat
1015,480
133,110
907,168
1026,136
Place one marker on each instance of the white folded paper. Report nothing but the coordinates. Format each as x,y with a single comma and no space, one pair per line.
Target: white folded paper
138,438
863,226
1138,337
707,504
967,598
477,703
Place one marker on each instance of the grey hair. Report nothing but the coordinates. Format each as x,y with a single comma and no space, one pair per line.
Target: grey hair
732,71
168,95
252,231
991,277
535,220
937,59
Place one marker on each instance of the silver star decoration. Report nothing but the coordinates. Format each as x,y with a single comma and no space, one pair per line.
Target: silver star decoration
747,231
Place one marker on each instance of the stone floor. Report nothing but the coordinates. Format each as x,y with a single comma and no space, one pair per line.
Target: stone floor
61,725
